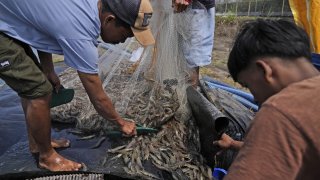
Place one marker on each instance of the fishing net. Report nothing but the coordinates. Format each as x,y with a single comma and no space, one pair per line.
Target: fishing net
151,90
147,85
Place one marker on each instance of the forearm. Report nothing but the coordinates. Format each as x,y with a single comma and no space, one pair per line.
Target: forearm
46,62
103,105
101,102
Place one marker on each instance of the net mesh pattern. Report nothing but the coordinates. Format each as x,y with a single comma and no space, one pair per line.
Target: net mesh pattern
152,92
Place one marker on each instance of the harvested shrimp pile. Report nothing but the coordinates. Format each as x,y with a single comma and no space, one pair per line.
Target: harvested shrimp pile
174,149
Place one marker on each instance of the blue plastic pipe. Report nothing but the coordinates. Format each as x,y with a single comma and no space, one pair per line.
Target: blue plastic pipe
246,103
209,79
238,92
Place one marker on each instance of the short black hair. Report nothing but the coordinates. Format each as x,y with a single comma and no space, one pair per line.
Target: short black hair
267,38
119,22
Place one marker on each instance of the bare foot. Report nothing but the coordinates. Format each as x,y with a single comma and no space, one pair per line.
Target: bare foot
55,162
60,143
55,143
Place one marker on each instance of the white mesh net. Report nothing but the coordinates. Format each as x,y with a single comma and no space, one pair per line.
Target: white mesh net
150,91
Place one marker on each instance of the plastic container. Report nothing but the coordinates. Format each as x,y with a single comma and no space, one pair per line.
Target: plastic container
219,173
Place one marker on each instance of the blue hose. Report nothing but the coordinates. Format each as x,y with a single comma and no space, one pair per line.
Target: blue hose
238,92
246,103
209,79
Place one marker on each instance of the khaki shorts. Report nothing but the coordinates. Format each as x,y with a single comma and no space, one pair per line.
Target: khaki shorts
20,69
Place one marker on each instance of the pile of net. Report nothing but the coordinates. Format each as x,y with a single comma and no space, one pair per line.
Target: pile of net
151,90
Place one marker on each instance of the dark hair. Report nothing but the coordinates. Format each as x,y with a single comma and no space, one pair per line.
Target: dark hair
267,38
106,8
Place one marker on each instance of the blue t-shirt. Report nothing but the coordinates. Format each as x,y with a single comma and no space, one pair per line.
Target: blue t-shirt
69,27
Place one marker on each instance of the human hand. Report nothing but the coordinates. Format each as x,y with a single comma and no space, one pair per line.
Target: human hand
48,69
180,5
54,80
128,127
225,142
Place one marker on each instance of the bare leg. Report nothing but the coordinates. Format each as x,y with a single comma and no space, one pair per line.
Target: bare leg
55,143
39,127
195,77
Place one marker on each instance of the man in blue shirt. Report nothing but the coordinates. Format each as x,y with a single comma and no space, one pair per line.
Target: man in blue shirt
70,28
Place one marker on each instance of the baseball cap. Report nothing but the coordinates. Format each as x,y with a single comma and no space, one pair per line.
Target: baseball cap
137,14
